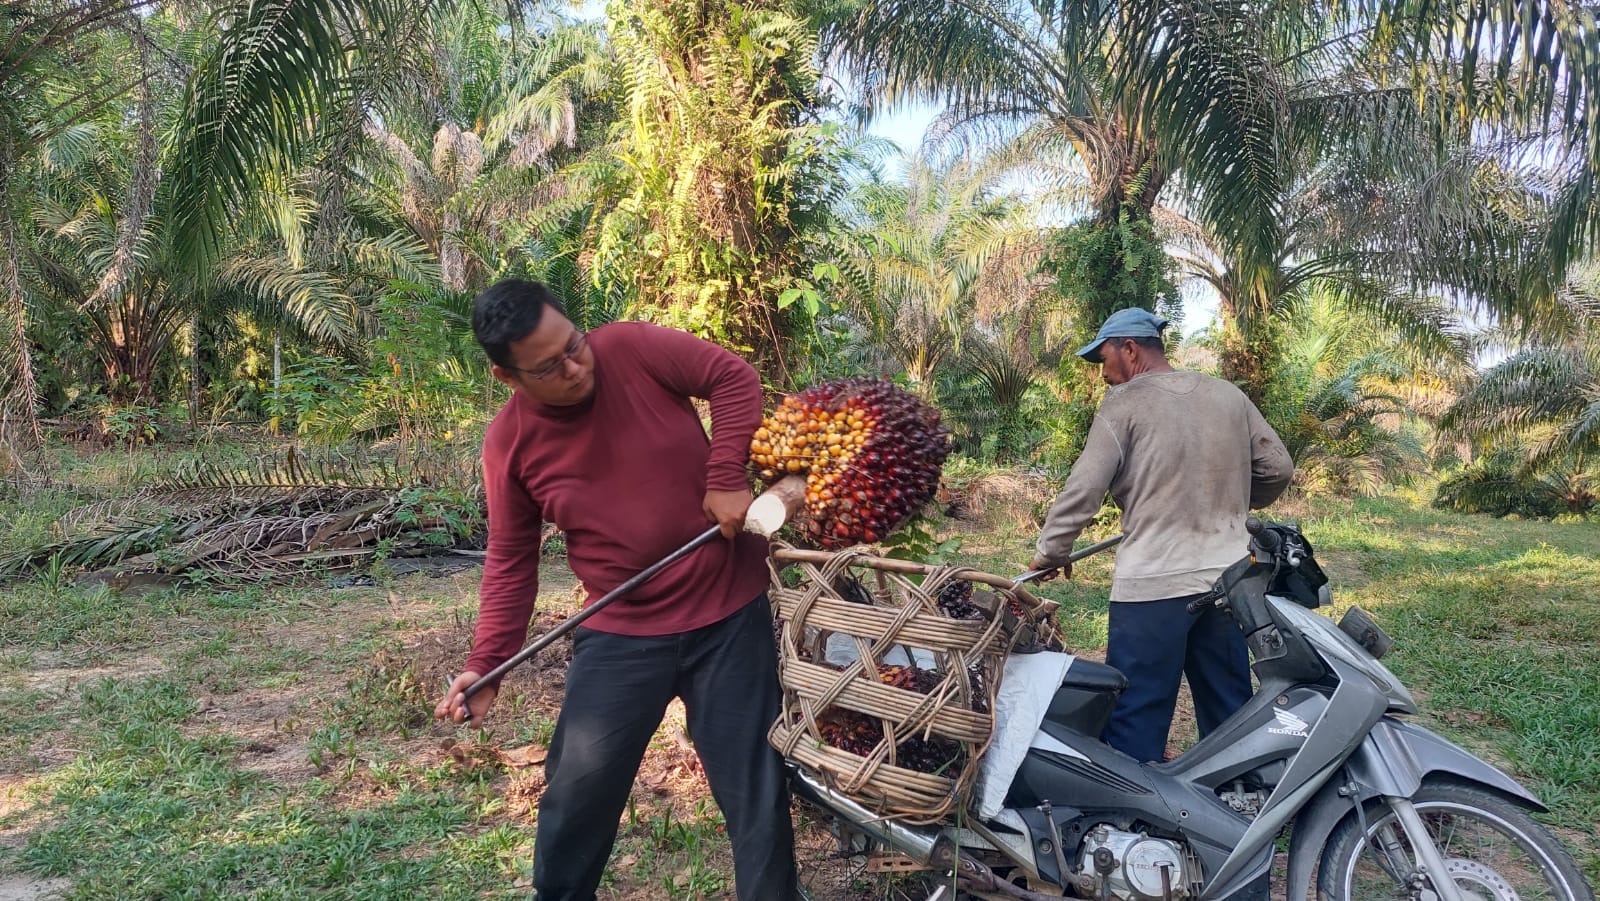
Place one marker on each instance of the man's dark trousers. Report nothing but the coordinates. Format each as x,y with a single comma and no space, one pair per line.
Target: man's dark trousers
1154,644
618,688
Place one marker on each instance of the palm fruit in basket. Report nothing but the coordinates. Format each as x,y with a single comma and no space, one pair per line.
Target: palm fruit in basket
859,734
870,452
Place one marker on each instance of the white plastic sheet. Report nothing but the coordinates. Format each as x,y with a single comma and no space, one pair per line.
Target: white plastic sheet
841,651
1029,683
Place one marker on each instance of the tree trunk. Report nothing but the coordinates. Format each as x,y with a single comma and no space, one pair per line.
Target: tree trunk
277,378
1248,349
706,148
194,371
19,409
1127,173
1250,341
1240,362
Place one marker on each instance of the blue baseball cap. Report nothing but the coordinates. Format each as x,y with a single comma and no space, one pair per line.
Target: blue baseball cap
1132,322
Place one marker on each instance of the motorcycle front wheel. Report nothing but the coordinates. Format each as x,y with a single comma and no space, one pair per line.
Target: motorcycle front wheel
1492,848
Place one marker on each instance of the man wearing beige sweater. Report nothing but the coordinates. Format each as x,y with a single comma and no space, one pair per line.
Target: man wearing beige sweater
1186,457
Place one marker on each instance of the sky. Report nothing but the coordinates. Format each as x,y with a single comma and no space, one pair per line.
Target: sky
905,126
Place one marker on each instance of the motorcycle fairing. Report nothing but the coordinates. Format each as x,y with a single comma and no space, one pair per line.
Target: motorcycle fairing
1356,704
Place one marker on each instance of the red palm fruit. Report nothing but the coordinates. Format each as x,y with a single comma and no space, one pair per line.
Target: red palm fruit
877,449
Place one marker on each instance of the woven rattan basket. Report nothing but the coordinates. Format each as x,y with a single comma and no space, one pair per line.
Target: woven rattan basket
844,618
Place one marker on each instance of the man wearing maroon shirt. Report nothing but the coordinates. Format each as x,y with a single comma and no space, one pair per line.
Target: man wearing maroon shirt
600,437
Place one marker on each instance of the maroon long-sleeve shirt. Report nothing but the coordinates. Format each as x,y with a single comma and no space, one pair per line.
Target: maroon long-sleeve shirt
624,475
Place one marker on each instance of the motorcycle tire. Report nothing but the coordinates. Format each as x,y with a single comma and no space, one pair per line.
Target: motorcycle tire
1535,859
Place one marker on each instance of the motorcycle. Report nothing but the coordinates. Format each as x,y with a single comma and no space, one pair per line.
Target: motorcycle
1375,807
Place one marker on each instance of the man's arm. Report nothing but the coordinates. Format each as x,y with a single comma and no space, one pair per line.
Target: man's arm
510,582
1085,491
1271,468
695,368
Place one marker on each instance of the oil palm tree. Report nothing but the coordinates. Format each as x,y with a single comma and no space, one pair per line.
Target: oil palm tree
52,78
1348,240
1344,423
1141,93
1383,218
469,140
103,251
923,251
259,97
722,174
1223,101
133,325
1545,397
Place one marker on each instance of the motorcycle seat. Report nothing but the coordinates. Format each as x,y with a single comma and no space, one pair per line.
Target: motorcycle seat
1093,677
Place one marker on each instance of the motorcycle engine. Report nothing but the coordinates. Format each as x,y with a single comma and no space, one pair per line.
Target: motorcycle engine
1137,864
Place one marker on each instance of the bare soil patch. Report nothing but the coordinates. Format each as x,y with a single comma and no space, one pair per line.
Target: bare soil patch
25,888
61,674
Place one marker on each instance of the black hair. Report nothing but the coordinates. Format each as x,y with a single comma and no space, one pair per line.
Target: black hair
508,311
1150,343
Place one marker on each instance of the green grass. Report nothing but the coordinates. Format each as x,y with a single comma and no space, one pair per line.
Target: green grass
132,789
1496,625
158,815
158,806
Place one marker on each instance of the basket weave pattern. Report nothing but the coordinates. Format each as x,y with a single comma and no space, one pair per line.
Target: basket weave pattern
892,612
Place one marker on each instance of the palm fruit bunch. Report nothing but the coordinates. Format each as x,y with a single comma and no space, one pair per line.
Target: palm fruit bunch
871,454
851,731
859,734
931,755
955,600
911,678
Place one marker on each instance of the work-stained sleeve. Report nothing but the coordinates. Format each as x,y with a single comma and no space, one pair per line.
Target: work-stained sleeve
1271,468
1084,492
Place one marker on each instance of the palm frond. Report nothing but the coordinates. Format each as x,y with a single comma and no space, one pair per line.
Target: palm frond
312,300
277,66
1534,387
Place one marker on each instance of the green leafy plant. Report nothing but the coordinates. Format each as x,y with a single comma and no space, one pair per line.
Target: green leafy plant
917,541
131,424
1102,267
717,174
439,516
1502,484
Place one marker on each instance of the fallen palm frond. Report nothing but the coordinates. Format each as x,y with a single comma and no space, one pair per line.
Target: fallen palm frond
266,516
203,485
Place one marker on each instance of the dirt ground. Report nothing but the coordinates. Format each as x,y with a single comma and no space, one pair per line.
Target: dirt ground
274,725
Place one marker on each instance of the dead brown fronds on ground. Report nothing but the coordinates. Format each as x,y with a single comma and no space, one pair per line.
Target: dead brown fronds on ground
1002,501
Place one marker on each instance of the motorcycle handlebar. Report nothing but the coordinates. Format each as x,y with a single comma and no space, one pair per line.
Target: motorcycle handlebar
1261,538
1264,537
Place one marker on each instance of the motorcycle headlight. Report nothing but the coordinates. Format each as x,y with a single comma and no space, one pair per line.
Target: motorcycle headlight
1330,639
1360,625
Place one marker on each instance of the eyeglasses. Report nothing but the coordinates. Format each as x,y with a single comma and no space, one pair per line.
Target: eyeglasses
579,341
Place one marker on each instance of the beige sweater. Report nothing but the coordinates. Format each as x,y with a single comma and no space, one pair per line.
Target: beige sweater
1186,456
